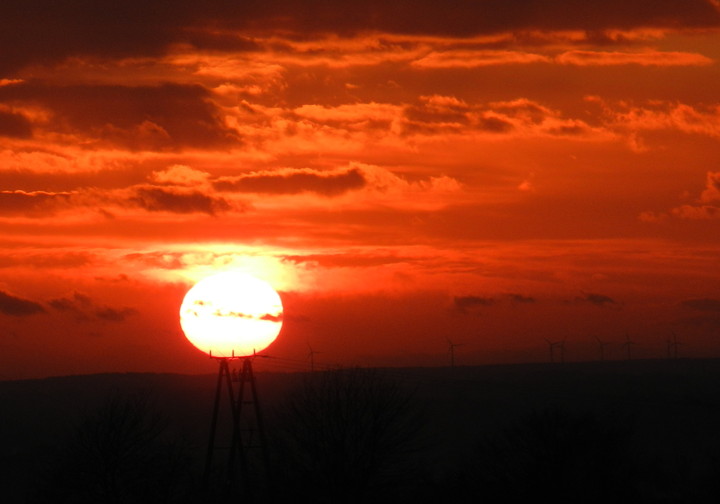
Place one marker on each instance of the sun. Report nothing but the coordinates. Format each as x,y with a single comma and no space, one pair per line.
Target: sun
231,314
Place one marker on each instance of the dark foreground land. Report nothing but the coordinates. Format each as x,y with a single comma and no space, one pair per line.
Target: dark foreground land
634,431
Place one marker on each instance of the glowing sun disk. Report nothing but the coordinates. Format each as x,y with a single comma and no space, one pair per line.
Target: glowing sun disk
231,314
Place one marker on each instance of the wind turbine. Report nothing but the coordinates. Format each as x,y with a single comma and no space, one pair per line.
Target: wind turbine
556,344
628,343
451,348
551,347
311,356
672,346
602,344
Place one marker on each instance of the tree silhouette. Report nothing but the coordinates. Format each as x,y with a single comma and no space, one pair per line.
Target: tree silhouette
346,435
120,452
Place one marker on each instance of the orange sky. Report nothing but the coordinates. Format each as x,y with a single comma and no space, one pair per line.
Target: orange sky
408,172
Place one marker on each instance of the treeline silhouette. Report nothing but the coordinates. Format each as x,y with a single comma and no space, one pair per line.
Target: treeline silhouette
123,451
349,435
369,435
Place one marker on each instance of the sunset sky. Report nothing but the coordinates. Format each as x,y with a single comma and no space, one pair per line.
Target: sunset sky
492,173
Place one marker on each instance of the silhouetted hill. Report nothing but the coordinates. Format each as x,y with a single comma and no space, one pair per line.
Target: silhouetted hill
671,407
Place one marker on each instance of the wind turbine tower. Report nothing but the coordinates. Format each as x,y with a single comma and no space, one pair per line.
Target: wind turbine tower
628,344
552,345
311,356
451,349
602,345
672,346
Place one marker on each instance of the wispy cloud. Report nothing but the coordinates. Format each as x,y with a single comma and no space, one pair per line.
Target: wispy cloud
83,308
704,304
707,206
596,299
156,199
645,58
294,181
33,202
474,59
471,304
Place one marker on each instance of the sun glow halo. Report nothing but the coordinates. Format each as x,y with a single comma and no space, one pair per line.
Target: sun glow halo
231,314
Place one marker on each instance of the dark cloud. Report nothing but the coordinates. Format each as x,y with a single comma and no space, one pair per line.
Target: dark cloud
431,113
345,260
150,198
65,182
295,181
531,111
472,304
165,260
596,299
470,17
75,302
445,114
579,129
272,318
34,202
493,125
465,304
46,31
703,304
83,308
14,125
79,305
114,314
155,199
519,298
41,31
169,116
18,307
46,259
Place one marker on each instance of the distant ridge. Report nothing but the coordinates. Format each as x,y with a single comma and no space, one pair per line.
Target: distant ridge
673,400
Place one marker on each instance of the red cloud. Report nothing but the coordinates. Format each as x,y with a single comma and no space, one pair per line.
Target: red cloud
156,199
294,181
647,58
